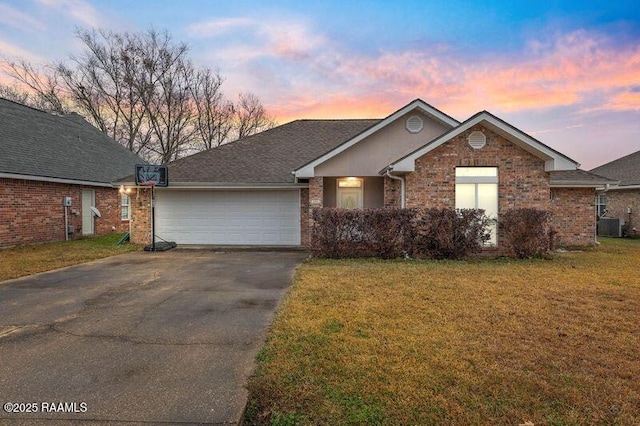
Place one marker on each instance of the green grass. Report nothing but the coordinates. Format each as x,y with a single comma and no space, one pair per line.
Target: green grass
553,341
30,259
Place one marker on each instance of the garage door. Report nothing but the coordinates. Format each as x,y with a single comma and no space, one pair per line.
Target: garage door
229,217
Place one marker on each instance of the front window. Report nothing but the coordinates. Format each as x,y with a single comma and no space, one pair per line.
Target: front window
350,193
477,188
125,210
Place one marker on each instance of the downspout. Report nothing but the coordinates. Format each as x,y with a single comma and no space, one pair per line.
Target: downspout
401,179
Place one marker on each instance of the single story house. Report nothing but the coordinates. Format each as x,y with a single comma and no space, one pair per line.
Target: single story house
622,200
260,190
55,177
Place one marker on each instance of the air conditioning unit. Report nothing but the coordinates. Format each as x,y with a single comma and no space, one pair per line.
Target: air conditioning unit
610,227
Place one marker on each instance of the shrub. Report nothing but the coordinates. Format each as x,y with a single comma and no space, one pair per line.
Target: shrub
355,233
526,232
448,233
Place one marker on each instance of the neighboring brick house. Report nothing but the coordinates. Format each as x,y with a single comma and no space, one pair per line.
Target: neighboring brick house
621,200
260,190
45,158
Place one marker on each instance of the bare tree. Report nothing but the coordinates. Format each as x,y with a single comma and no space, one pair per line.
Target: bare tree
43,82
13,94
250,116
143,91
214,118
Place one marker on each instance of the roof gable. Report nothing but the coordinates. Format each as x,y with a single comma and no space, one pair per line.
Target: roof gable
308,169
554,161
38,144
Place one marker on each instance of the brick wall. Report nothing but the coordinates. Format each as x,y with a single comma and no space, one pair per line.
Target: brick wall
141,216
523,182
304,217
32,211
574,217
392,193
618,201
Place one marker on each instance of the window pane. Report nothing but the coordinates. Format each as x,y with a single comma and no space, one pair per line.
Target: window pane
465,195
476,171
350,183
488,199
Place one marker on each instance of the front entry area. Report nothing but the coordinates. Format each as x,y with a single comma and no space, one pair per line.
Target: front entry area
221,217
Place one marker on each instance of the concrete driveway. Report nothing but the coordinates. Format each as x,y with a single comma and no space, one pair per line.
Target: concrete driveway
142,337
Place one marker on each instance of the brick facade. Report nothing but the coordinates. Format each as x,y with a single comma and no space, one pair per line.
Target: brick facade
574,216
305,236
392,193
618,201
522,179
522,182
32,211
141,215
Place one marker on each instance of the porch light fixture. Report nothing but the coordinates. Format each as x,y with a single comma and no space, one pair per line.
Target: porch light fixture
124,190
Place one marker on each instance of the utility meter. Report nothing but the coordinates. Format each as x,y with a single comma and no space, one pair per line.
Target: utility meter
66,201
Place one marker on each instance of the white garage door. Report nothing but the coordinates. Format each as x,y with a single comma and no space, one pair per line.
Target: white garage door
267,217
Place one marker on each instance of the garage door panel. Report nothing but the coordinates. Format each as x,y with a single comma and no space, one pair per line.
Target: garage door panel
229,217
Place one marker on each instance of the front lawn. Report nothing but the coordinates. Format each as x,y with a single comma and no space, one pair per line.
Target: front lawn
554,342
30,259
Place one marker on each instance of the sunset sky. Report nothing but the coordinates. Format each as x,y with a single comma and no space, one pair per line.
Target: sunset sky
566,72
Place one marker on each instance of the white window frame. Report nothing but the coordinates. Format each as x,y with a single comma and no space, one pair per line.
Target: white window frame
123,205
601,206
481,176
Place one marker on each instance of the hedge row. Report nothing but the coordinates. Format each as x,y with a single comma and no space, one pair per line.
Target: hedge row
428,233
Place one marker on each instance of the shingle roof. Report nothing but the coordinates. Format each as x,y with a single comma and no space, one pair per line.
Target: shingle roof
36,143
266,157
579,177
625,169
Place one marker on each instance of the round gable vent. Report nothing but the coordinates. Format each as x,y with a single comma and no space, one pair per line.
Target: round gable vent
414,124
477,140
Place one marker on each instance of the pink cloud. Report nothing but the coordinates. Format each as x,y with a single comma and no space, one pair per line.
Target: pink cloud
566,70
625,101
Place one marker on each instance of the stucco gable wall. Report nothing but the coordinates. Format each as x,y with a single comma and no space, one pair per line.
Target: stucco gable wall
369,156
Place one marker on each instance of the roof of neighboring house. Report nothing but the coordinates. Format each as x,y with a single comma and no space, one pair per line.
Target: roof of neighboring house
579,177
268,157
625,169
37,144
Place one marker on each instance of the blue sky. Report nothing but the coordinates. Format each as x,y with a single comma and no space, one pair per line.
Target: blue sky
567,72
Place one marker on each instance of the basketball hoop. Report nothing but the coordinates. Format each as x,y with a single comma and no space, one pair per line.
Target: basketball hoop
149,183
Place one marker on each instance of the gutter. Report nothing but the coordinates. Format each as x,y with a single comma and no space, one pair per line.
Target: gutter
54,180
402,185
622,187
223,185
